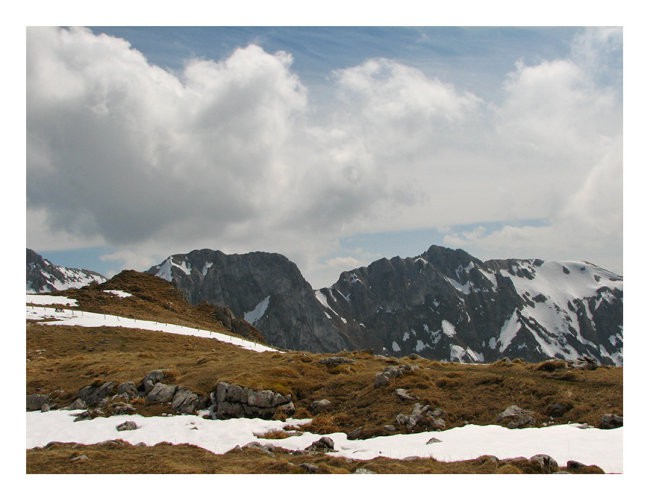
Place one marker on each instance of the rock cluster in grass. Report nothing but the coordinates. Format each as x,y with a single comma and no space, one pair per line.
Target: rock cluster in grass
423,415
384,377
234,401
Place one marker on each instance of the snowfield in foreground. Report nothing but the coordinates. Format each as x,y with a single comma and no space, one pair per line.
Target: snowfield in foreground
562,442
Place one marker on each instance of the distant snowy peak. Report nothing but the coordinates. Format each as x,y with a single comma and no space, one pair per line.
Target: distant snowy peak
43,276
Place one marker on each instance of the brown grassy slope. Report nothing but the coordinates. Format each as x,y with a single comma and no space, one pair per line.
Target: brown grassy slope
152,299
120,457
62,359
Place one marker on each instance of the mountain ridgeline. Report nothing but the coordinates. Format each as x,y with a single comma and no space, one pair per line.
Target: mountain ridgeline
444,304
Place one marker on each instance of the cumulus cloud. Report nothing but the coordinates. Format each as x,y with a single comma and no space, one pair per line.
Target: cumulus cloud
231,154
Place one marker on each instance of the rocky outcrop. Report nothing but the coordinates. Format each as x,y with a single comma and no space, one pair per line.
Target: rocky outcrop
611,421
38,402
234,401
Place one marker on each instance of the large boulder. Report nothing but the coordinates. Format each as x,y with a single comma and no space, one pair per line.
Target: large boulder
234,401
611,421
161,393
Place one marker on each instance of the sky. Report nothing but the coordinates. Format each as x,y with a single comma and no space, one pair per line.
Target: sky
333,146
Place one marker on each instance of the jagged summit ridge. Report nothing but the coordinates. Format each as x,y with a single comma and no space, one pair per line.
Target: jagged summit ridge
43,276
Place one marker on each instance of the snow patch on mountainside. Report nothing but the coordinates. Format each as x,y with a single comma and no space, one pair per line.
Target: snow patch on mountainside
258,312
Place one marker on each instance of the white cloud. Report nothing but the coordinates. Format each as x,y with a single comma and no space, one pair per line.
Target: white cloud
230,154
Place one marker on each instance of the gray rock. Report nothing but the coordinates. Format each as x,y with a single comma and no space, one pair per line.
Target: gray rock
404,394
80,457
95,395
150,380
185,401
433,440
364,471
127,426
161,393
77,404
516,417
611,421
261,398
323,443
128,389
45,408
422,415
233,401
545,462
320,405
381,380
309,467
36,401
334,361
558,409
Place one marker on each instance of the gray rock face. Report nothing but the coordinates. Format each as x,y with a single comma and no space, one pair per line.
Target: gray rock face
320,406
150,380
234,401
265,289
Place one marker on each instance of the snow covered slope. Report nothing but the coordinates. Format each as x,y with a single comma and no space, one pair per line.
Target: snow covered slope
43,276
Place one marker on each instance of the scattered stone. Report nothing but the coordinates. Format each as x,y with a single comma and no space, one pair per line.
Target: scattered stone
36,401
318,406
266,449
433,440
77,404
585,362
363,470
611,421
381,380
322,444
161,393
389,428
546,463
127,426
423,415
309,467
404,394
45,407
516,417
79,457
356,433
334,361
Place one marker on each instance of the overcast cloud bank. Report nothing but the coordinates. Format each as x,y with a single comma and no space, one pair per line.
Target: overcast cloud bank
232,155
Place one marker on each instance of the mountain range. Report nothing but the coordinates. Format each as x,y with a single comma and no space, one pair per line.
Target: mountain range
443,304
